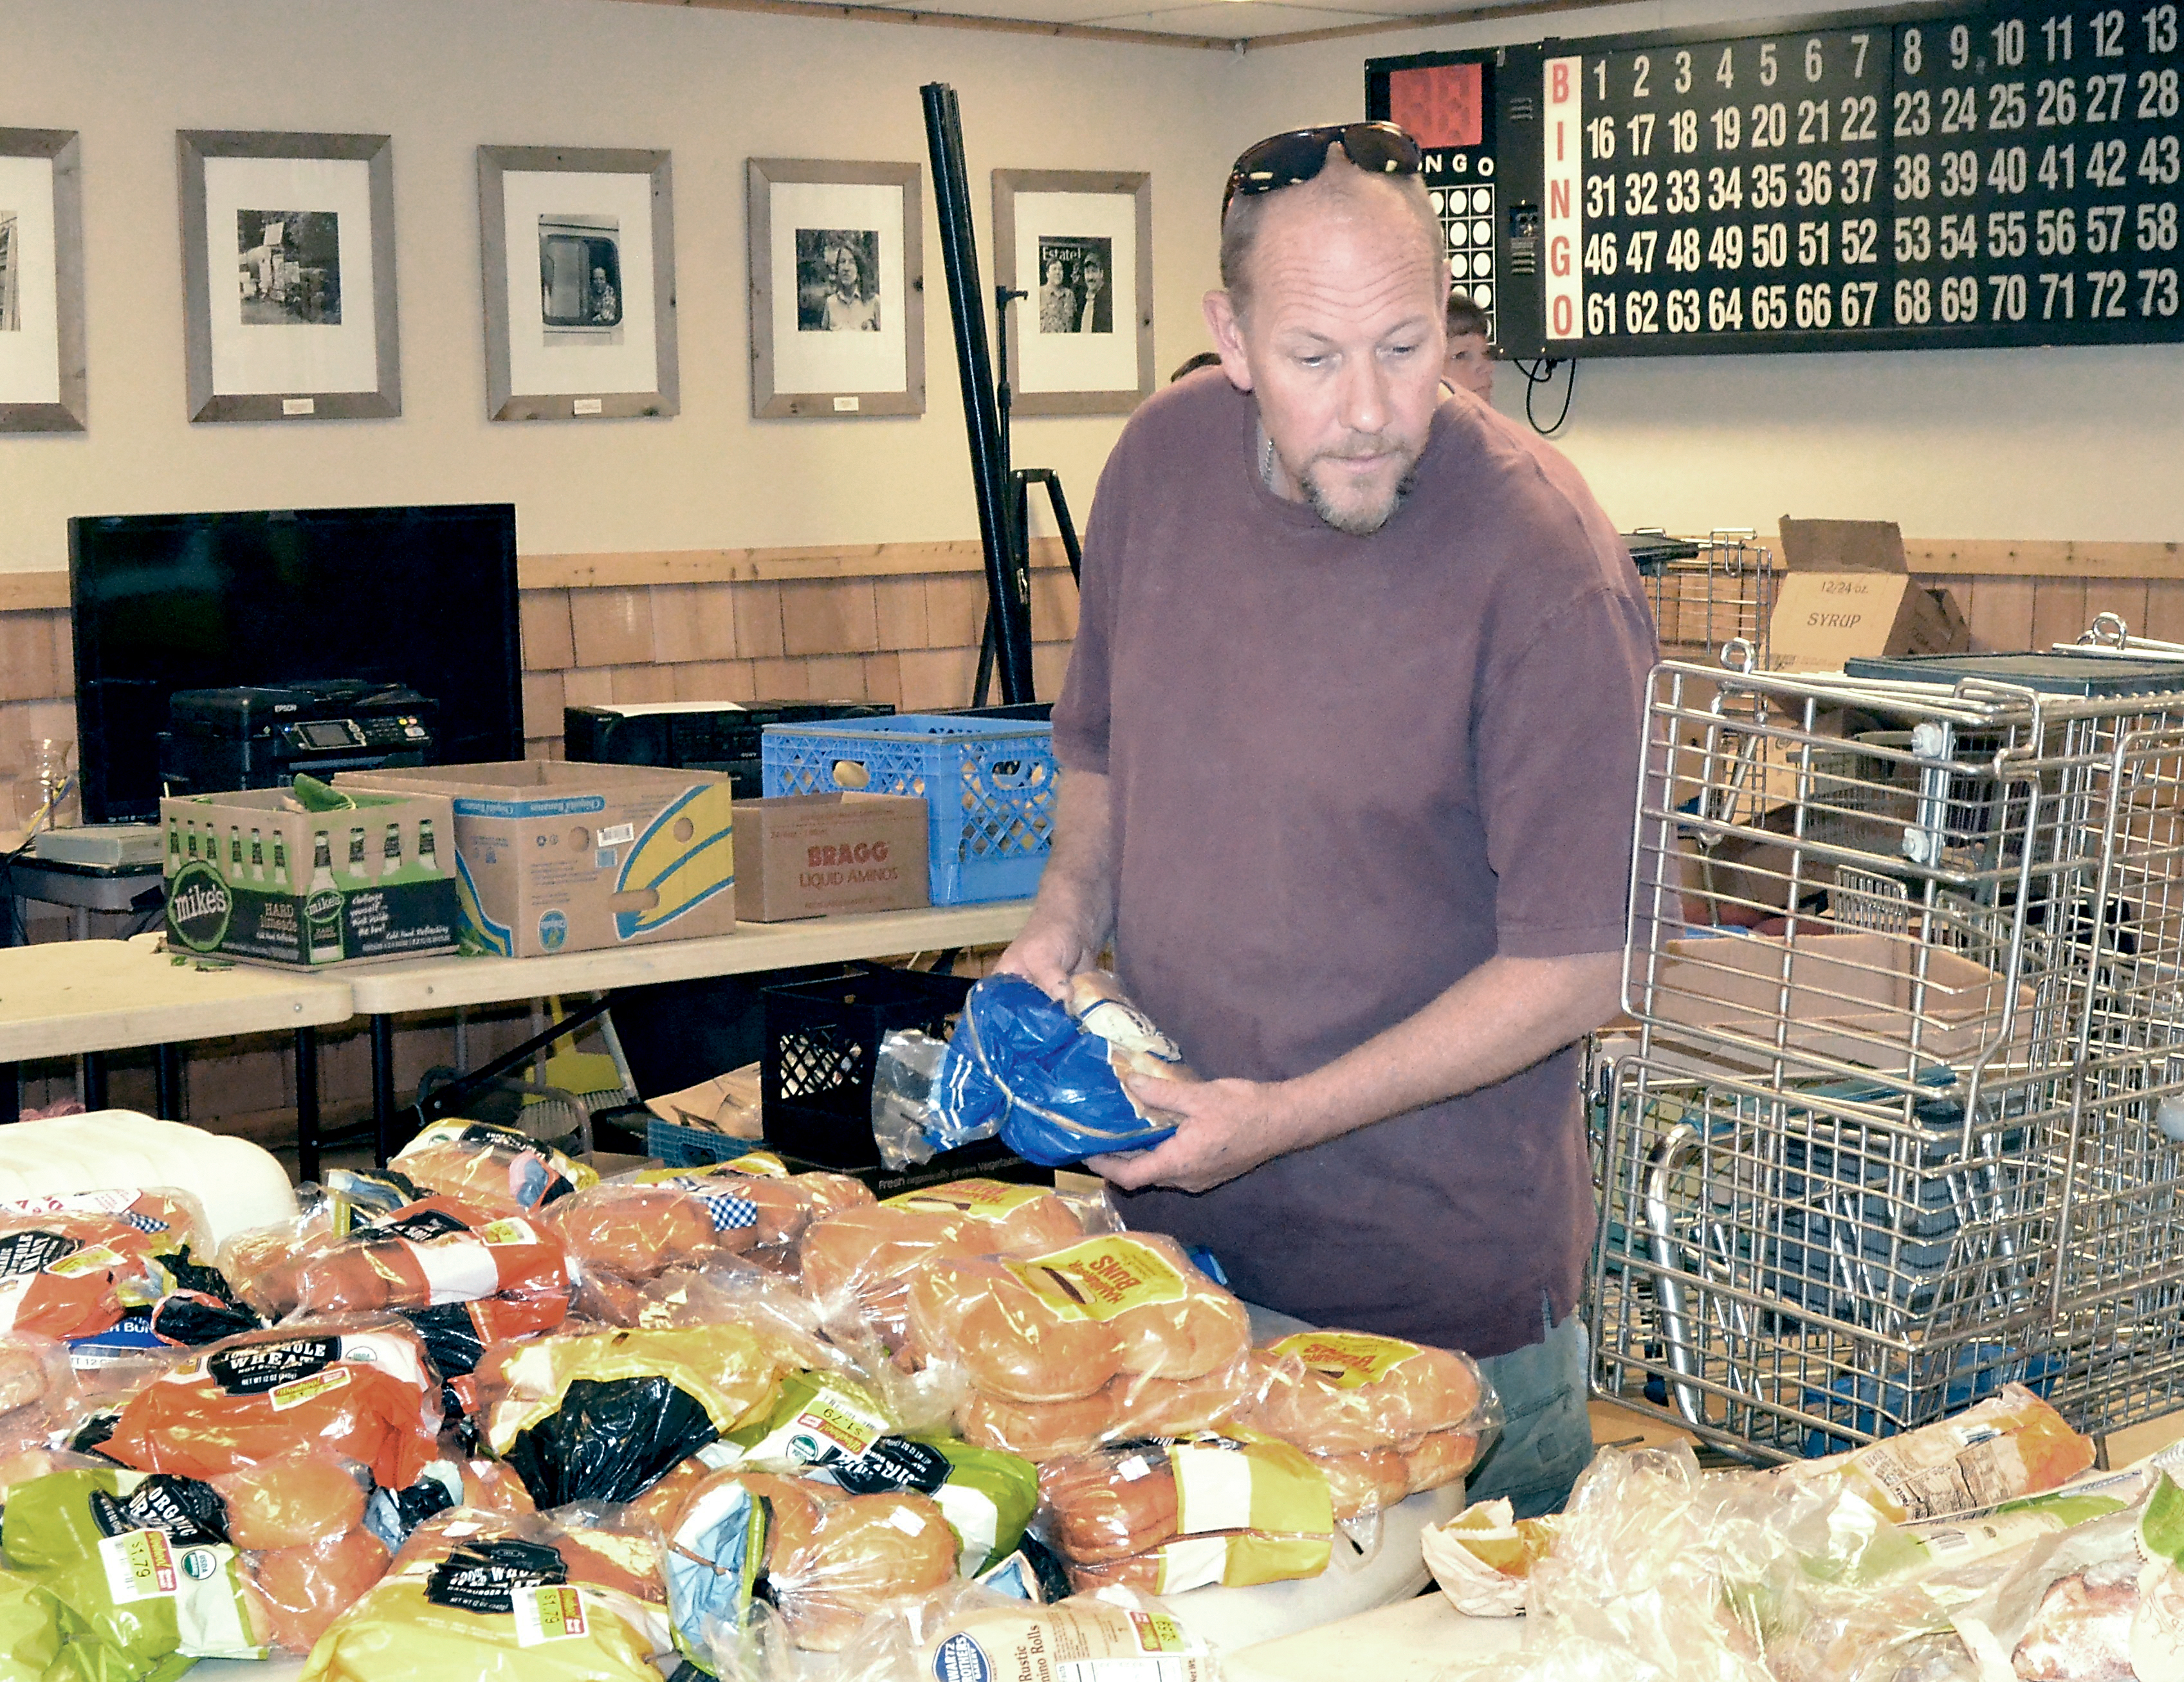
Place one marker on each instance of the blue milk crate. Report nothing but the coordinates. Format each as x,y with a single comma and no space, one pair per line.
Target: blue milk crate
988,786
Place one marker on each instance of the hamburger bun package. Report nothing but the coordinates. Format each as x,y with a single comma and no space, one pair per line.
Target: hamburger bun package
1046,1078
639,1230
1336,1392
1056,1324
1016,1216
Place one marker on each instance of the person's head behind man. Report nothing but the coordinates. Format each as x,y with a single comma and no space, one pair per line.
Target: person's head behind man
1468,364
1330,314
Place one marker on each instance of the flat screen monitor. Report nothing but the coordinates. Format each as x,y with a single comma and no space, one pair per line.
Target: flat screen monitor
424,597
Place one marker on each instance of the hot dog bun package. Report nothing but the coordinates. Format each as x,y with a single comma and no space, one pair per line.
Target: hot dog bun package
1047,1078
1165,1517
500,1169
435,1249
476,1595
115,1274
360,1389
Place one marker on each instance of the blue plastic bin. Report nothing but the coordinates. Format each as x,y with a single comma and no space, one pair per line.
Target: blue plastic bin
988,786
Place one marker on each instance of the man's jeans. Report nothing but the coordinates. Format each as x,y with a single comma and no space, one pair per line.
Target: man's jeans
1546,1434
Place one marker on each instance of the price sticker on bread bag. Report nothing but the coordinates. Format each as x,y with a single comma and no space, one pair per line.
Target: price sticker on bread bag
98,1258
297,1391
1348,1361
554,1612
1102,1277
140,1566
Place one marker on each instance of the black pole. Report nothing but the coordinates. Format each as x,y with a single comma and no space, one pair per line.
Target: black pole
1008,587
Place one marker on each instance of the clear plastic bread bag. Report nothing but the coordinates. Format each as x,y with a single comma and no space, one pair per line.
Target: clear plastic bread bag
969,1630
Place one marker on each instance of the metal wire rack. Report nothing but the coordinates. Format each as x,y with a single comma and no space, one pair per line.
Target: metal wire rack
1912,1125
1792,1272
1721,591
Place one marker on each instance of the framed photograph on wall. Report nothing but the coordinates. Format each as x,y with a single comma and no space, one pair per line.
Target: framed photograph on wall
1080,245
288,275
579,283
42,371
837,289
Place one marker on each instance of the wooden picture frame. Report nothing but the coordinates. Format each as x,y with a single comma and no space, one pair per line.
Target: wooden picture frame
43,382
837,289
299,333
1081,344
596,338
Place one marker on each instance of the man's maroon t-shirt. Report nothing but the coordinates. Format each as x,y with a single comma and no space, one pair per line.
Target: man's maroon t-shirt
1345,772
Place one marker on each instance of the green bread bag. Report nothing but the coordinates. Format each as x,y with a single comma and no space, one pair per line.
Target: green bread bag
31,1637
833,1430
139,1571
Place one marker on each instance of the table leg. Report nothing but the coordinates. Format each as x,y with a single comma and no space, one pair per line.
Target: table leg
307,1103
11,1092
382,1087
167,1078
94,1080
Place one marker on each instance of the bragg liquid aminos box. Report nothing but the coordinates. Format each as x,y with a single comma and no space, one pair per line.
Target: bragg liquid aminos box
248,878
552,857
804,855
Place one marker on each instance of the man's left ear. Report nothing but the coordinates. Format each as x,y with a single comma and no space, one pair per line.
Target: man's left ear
1228,330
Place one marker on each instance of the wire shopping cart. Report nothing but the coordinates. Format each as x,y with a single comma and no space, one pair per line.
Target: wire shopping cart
1896,1137
1707,592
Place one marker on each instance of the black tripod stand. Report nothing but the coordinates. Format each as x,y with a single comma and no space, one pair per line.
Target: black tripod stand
1020,479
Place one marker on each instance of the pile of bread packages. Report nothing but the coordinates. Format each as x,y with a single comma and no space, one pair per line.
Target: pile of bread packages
481,1414
1983,1547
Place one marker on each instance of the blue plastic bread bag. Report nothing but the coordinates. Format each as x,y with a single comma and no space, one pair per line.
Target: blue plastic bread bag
1019,1066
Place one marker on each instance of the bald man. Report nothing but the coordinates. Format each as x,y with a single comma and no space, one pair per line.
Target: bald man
1350,748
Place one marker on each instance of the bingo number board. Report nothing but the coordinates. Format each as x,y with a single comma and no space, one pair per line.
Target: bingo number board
1459,108
1891,180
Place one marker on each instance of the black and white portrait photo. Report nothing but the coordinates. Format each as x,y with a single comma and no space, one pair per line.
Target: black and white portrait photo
289,268
580,290
838,288
11,275
1075,292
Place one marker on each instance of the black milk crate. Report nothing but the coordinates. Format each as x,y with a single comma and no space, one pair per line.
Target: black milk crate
822,1043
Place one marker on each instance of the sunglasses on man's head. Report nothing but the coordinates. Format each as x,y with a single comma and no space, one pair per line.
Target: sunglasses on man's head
1290,159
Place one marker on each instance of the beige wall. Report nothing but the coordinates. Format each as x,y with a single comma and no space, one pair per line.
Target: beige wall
2078,443
443,76
2057,444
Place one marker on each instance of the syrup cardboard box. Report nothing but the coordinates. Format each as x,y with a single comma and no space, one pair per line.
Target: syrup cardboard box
805,855
551,857
247,878
1847,591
